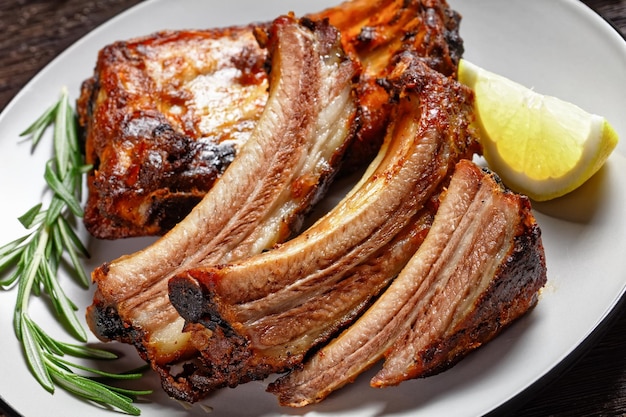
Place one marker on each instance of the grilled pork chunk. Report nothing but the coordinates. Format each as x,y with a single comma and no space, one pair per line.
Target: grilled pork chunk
284,168
164,115
266,312
480,267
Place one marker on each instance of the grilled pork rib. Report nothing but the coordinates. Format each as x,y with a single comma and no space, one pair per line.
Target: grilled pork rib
164,115
283,169
479,268
267,311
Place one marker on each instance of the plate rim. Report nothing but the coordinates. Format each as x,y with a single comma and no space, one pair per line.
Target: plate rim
587,341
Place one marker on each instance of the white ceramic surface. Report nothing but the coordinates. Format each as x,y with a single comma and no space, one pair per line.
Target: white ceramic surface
558,47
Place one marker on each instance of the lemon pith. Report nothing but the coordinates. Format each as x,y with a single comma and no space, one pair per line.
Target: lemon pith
539,145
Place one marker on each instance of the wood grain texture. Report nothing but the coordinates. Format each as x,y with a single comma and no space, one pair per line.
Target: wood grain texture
614,11
33,32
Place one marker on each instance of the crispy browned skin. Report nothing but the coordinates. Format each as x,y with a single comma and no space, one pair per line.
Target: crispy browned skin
268,311
479,269
281,171
164,115
163,118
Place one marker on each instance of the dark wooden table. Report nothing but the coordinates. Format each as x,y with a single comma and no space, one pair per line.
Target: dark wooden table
593,383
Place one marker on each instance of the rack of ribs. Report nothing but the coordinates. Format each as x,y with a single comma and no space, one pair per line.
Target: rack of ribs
266,312
164,115
224,297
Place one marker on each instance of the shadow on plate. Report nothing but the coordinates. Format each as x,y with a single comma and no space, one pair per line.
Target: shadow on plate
408,397
581,205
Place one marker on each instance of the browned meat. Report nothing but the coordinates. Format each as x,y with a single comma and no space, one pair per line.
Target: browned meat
164,115
266,312
480,267
283,169
376,32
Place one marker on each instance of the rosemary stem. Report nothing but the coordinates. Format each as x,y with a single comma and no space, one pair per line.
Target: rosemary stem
29,278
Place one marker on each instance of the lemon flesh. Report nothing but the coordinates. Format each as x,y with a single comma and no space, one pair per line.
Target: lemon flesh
539,145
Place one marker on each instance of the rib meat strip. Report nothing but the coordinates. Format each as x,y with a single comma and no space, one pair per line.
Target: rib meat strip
479,268
282,170
482,268
267,311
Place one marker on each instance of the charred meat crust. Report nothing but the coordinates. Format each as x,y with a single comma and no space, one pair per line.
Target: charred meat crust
511,294
375,32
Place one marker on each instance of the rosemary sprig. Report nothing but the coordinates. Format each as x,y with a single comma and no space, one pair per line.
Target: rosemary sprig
32,263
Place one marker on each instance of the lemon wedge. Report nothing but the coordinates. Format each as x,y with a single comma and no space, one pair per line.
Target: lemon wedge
539,145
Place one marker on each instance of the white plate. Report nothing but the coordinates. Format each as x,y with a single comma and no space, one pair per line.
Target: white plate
558,47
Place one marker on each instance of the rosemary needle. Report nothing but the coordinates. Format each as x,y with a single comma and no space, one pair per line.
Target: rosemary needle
32,263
